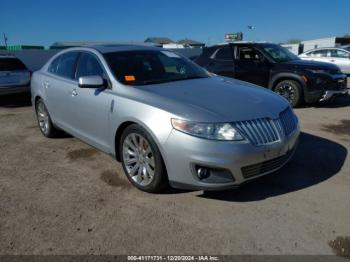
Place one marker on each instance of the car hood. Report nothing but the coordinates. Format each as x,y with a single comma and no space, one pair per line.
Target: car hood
215,99
307,64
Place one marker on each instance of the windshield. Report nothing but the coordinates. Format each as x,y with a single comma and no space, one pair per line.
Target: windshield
152,67
279,53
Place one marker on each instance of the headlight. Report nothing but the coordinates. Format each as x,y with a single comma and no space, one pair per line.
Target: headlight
215,131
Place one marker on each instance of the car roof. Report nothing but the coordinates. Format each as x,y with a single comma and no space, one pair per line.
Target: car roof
122,47
327,48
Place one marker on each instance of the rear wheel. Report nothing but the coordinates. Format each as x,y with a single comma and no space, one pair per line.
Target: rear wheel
141,160
44,120
290,90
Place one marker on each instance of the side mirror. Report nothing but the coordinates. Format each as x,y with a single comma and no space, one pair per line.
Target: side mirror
90,81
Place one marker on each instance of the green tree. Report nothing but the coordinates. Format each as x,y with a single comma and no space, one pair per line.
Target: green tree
294,41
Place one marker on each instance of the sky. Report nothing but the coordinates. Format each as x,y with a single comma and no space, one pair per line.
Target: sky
44,22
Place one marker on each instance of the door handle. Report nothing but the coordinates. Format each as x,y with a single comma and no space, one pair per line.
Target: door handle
46,84
332,60
74,92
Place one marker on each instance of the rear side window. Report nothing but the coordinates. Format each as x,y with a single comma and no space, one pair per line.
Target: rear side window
64,65
88,65
318,53
224,53
11,64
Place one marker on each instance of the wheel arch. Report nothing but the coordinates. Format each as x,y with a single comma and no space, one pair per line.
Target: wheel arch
287,76
117,136
122,126
37,97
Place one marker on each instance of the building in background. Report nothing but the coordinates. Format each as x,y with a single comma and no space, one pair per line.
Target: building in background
166,42
64,45
189,43
294,48
21,47
325,42
159,41
307,45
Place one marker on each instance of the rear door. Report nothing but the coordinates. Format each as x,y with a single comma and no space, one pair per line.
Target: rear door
13,72
91,106
221,62
251,66
58,84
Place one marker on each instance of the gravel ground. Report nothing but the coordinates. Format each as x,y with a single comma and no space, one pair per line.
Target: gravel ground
60,196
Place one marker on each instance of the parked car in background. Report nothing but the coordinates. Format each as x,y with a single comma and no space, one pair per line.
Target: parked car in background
14,76
164,117
276,68
337,56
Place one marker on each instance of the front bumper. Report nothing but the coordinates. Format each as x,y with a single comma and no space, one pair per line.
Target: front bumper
329,94
242,160
323,87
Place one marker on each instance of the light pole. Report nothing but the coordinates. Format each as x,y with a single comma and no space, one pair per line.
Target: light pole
5,40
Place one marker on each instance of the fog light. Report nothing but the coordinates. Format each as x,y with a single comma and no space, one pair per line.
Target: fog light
203,172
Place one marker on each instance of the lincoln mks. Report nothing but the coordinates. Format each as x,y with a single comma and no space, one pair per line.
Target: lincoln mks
166,119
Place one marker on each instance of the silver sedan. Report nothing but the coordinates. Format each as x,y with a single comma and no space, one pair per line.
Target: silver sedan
166,119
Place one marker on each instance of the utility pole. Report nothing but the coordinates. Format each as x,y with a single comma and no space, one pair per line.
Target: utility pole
5,40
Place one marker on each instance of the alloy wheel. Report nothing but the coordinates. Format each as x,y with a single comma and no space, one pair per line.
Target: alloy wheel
138,159
43,117
287,91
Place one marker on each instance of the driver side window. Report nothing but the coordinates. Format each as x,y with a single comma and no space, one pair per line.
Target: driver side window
339,54
88,65
249,54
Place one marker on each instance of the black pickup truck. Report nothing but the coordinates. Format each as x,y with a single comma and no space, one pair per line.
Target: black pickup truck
274,67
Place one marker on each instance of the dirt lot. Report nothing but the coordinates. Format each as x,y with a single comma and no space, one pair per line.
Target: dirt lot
61,196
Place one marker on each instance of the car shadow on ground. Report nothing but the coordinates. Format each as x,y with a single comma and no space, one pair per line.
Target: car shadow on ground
15,100
316,160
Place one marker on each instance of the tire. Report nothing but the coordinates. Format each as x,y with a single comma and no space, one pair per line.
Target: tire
45,124
141,160
290,90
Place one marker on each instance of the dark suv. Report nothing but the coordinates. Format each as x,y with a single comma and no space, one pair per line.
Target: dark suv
274,67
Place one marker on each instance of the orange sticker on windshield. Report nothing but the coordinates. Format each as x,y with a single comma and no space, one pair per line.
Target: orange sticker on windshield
129,78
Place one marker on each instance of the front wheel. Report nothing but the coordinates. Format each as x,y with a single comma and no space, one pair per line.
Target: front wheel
290,90
141,160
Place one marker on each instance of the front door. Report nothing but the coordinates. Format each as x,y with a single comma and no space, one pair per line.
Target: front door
91,107
251,66
340,58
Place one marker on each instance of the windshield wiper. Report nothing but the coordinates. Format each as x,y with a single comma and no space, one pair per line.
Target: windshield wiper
159,81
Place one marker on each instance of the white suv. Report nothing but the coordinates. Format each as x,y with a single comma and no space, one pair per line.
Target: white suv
334,55
14,75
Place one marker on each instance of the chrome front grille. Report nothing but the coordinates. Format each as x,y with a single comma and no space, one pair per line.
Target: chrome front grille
259,131
266,131
288,121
